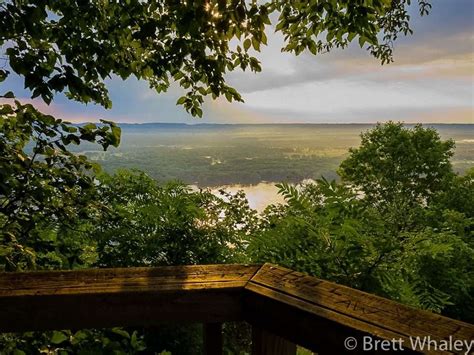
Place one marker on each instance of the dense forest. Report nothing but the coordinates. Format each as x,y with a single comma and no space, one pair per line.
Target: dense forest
219,155
398,223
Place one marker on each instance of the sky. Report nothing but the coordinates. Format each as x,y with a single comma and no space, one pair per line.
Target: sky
431,81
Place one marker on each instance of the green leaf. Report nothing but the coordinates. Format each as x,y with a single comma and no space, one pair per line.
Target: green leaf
121,332
280,25
8,95
247,44
6,109
58,337
133,340
89,126
256,44
199,112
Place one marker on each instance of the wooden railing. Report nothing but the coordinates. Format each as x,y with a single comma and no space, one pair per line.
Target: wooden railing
283,306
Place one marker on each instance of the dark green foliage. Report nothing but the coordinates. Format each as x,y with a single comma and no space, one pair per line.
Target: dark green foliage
457,195
237,338
57,212
174,339
399,171
394,164
72,47
326,228
83,342
400,224
43,186
320,26
152,225
216,155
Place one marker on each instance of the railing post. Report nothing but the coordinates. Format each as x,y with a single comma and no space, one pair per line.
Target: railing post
213,343
265,343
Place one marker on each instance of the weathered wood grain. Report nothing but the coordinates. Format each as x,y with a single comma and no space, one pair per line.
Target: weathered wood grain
121,297
304,310
313,327
346,309
95,280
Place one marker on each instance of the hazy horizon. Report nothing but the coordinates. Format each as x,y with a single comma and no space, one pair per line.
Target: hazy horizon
284,123
209,155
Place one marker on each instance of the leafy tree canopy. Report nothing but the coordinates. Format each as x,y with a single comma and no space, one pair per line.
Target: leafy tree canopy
399,224
73,46
152,224
394,162
41,181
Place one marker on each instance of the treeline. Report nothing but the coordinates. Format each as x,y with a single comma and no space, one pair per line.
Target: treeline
398,224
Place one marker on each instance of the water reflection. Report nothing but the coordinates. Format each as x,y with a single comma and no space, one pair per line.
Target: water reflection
259,196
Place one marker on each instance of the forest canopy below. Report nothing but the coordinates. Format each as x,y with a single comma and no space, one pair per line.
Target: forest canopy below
398,223
252,157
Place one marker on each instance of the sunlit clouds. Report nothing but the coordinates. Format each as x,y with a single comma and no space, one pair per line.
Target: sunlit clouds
431,80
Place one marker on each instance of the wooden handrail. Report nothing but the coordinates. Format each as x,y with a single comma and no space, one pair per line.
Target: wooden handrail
321,315
284,306
121,297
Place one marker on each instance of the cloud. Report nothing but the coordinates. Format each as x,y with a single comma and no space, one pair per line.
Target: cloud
432,72
354,101
431,79
442,46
